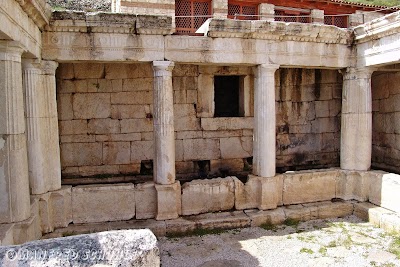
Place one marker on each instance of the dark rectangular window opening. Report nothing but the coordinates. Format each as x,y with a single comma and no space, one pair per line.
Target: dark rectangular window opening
228,96
146,167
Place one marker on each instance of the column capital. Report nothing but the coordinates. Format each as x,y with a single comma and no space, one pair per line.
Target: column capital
163,68
31,64
353,73
11,51
49,67
271,68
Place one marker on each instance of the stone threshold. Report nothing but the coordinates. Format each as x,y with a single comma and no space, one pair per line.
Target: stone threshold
386,219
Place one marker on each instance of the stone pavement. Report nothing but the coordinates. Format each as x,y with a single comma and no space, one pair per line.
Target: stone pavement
346,241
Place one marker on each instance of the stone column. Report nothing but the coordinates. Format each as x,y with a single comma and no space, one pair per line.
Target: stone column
356,128
264,149
267,12
317,16
36,124
53,143
14,181
168,191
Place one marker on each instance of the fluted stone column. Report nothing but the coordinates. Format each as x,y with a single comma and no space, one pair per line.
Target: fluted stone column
164,136
36,125
356,128
14,181
53,145
168,191
264,151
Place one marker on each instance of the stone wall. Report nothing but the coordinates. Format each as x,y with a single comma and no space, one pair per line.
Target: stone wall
81,5
386,121
106,126
308,118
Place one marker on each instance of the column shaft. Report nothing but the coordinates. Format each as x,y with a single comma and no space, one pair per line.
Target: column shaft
14,181
53,143
264,149
164,136
36,124
356,128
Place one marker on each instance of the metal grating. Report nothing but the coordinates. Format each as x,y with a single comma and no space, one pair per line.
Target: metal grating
237,9
338,21
282,15
190,15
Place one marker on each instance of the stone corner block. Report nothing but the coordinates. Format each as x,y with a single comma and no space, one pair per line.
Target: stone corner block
146,200
169,205
103,203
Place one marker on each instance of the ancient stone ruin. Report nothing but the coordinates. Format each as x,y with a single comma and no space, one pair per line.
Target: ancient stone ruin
141,122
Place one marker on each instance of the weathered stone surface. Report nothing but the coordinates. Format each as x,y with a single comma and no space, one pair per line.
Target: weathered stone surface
102,203
91,105
201,149
116,153
221,220
169,204
141,150
6,234
146,199
353,185
259,217
103,126
236,147
214,124
314,186
328,209
125,248
81,154
201,196
383,190
179,225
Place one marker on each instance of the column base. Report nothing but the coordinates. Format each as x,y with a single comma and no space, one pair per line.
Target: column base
168,201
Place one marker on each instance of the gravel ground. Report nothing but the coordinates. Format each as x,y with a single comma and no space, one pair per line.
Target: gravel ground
335,242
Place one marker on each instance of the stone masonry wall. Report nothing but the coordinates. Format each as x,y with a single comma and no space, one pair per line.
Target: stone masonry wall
106,127
308,118
386,121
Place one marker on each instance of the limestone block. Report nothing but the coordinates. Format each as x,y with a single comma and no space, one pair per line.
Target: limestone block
179,226
88,70
116,152
27,230
141,150
300,213
132,98
185,70
189,134
383,191
180,97
91,105
103,203
61,202
390,222
201,149
136,125
216,124
178,150
130,111
185,117
205,96
314,186
221,220
80,154
64,107
236,147
191,96
247,195
128,71
103,126
73,127
45,211
131,169
138,84
259,217
127,247
146,201
169,205
375,215
353,185
271,192
6,234
80,86
223,133
184,167
147,136
322,109
325,125
201,196
65,71
328,209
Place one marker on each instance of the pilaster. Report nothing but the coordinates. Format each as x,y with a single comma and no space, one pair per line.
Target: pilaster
317,16
164,136
356,127
53,144
14,181
264,151
267,12
36,124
